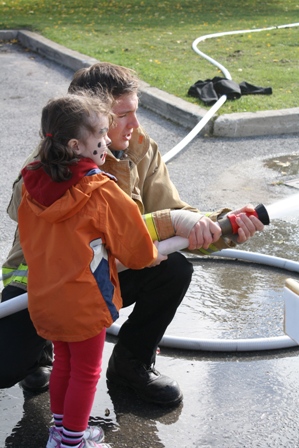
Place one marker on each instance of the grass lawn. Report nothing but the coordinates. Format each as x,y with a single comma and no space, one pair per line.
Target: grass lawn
155,38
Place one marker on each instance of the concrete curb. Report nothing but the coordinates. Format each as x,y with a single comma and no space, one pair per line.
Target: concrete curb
285,121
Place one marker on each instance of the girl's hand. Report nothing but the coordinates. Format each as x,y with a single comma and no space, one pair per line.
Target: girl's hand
160,257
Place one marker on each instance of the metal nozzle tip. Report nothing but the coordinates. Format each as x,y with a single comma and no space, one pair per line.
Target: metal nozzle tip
262,214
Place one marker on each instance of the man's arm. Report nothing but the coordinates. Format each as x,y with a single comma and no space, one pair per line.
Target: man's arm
160,193
158,190
16,196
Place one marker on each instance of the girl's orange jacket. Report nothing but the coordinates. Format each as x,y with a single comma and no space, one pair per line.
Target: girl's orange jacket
71,233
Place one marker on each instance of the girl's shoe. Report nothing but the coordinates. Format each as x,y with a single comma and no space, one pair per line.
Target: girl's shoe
92,433
91,444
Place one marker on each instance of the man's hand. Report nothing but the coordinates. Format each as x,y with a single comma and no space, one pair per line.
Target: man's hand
248,225
203,234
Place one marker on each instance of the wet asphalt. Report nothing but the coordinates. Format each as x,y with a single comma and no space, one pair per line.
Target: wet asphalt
231,400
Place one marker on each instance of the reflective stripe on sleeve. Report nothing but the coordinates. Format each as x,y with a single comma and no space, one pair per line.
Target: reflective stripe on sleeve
19,275
151,227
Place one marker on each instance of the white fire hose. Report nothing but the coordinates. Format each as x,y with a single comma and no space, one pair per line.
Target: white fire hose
225,345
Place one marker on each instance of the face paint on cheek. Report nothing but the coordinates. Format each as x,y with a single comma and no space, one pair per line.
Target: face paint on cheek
95,152
99,145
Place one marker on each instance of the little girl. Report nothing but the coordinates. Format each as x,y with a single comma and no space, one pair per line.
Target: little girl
74,221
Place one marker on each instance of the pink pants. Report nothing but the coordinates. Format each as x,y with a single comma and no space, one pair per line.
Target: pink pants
74,378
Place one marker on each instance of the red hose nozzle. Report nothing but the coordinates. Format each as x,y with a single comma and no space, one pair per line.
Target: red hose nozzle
229,226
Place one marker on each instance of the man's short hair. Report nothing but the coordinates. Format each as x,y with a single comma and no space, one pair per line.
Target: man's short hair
111,78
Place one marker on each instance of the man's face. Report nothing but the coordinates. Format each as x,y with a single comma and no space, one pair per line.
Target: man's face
126,121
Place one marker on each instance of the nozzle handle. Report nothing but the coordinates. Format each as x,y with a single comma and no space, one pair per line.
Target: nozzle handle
229,225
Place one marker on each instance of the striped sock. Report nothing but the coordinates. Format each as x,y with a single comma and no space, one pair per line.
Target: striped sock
71,439
58,421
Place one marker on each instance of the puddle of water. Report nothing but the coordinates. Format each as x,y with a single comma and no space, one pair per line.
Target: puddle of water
231,299
285,165
11,402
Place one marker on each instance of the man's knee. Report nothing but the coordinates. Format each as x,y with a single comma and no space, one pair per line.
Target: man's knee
11,372
17,365
181,268
7,381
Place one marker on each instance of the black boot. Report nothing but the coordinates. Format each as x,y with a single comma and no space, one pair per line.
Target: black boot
124,369
38,381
